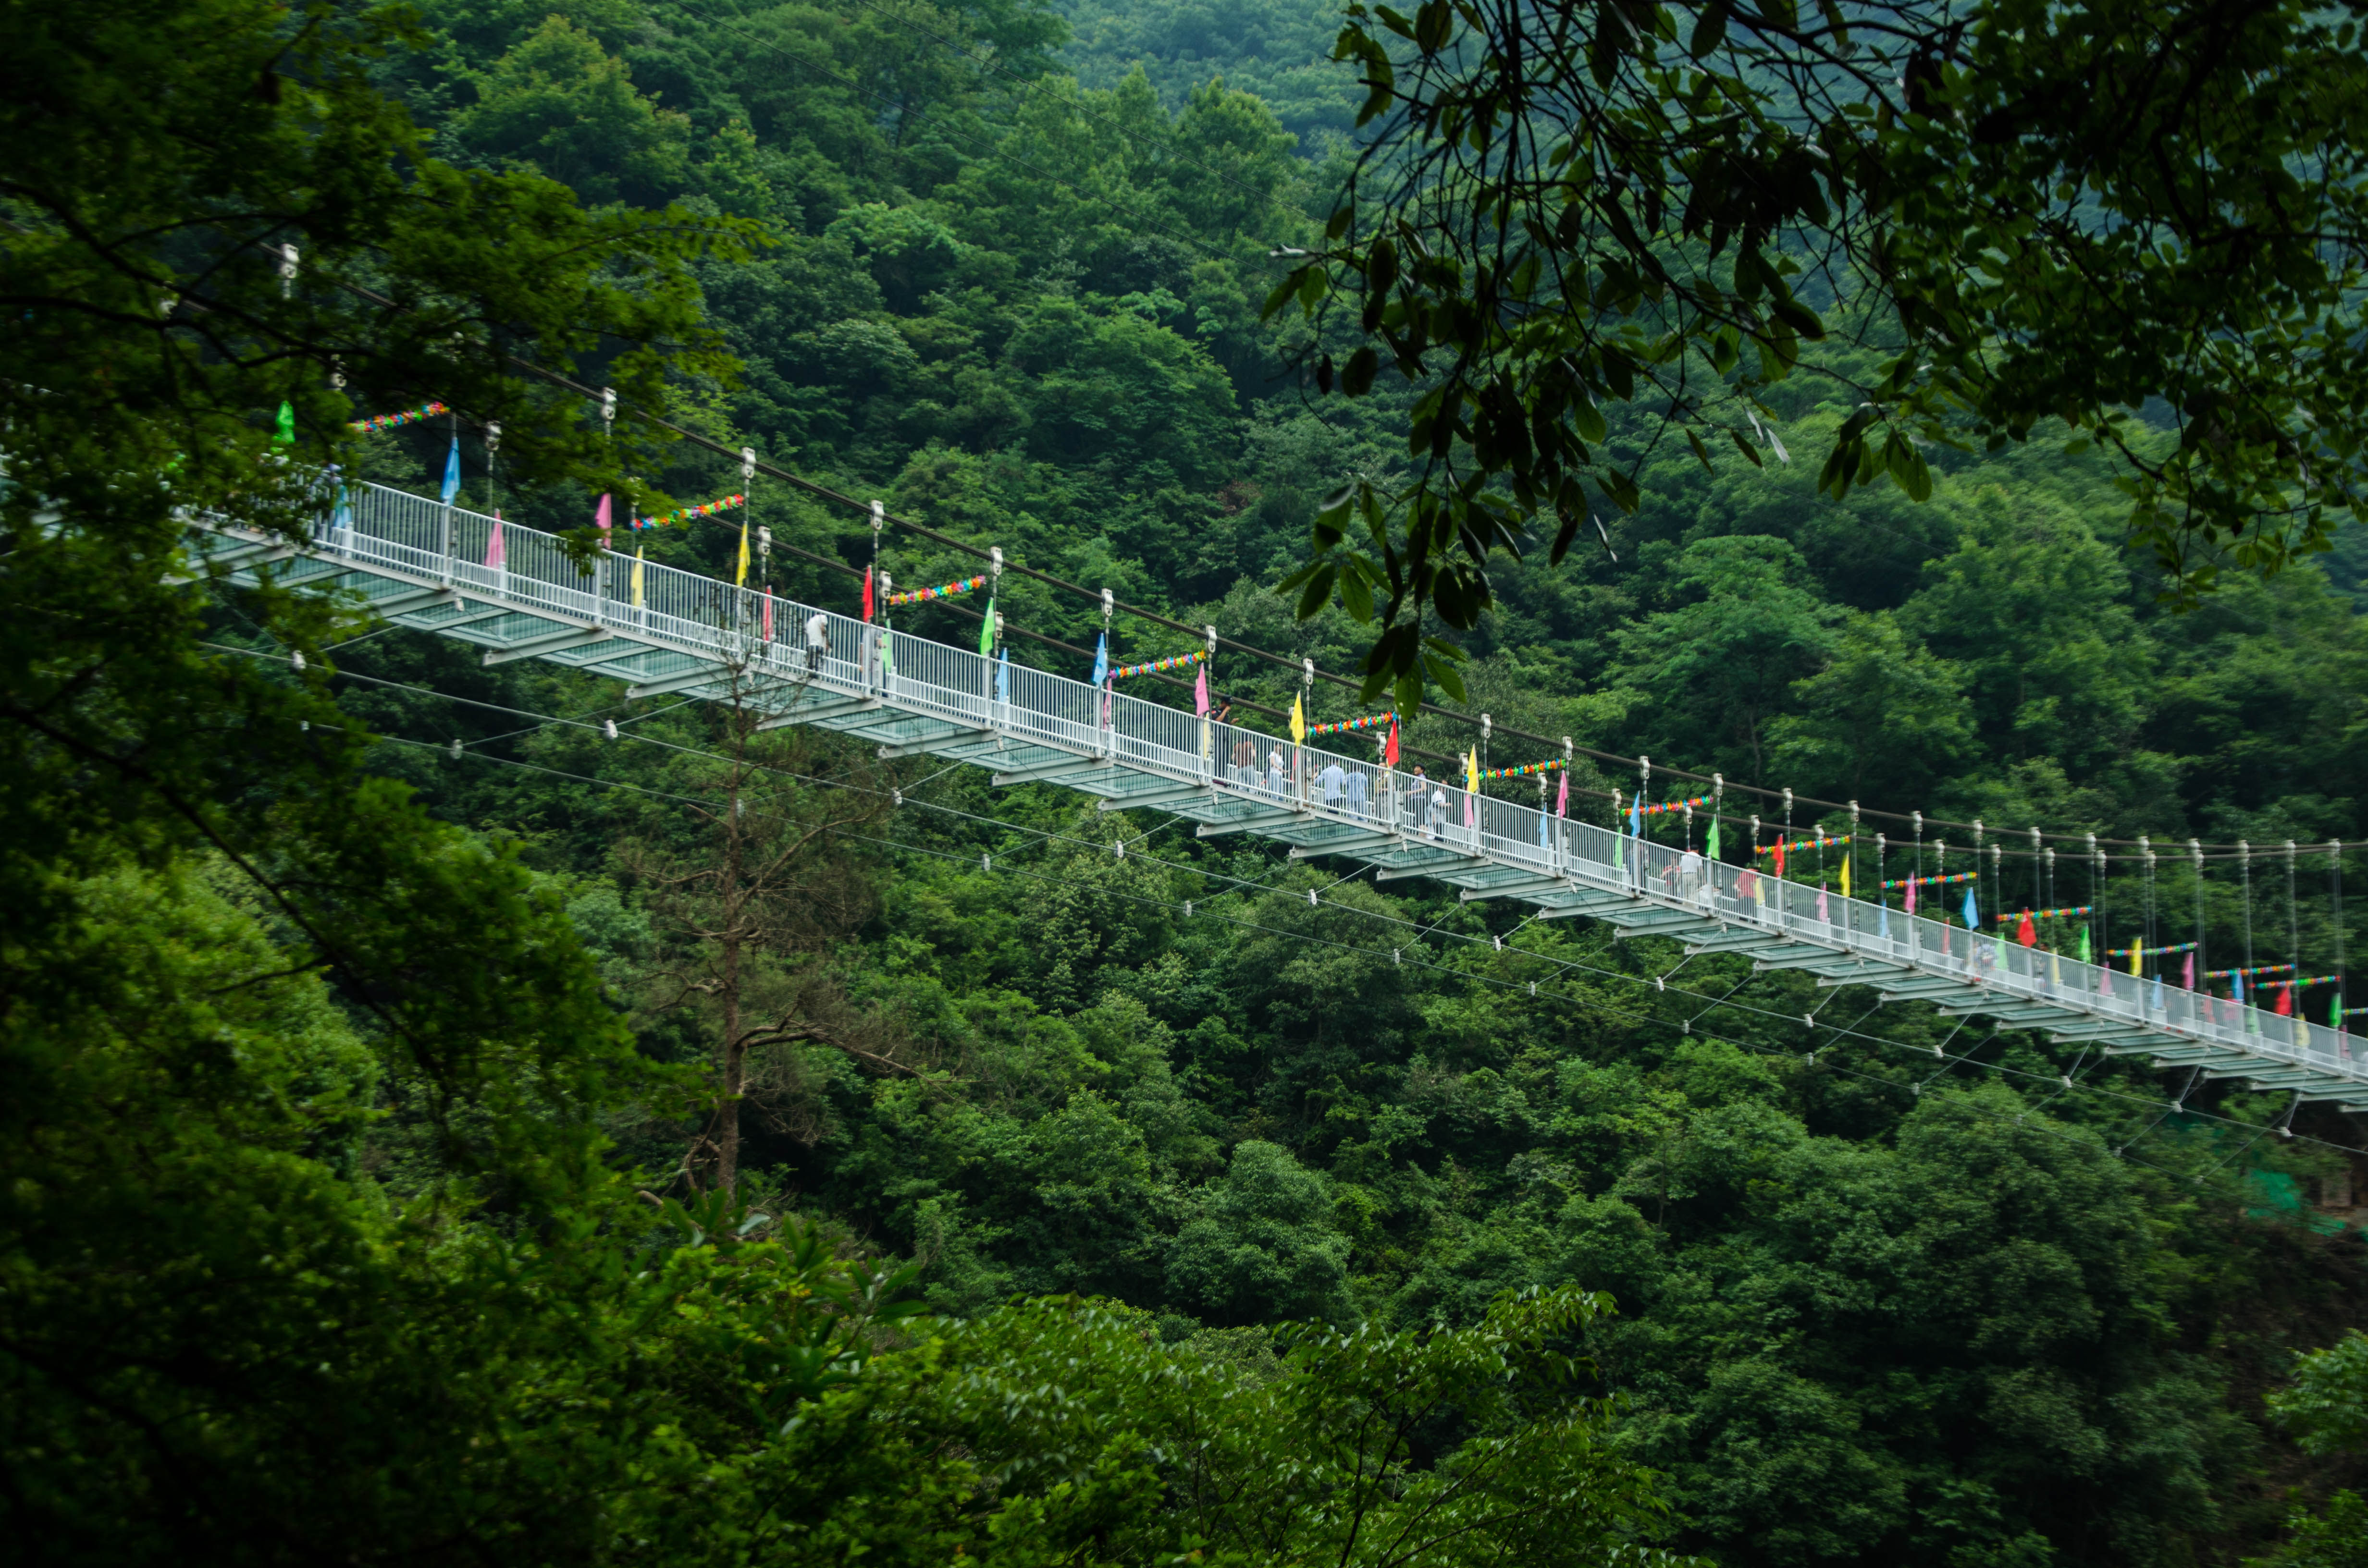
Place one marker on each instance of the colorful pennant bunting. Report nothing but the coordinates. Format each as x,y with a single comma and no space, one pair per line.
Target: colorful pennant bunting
371,426
1349,726
1174,662
684,513
943,591
1527,771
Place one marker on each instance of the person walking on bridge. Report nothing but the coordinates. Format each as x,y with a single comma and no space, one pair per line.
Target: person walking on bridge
817,641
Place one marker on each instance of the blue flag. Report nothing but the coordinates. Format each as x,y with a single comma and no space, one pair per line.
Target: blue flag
1101,658
1973,914
1636,815
452,472
1003,678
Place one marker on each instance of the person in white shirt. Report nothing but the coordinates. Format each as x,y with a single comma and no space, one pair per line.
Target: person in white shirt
1274,772
1438,812
817,641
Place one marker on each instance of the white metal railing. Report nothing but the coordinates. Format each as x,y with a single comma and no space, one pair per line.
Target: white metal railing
377,528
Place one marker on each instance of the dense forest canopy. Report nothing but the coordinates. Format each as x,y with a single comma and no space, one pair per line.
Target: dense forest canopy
499,1141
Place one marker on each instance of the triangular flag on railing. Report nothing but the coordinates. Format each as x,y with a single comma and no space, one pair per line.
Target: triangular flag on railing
1201,692
2284,1009
495,556
986,630
1101,658
1298,723
283,431
2137,957
1709,846
637,576
600,519
1390,747
769,618
2084,944
2187,980
1562,802
2028,934
867,594
453,472
1846,861
1910,903
1003,678
1973,911
740,573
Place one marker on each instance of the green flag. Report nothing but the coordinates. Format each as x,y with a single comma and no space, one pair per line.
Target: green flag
986,632
1711,849
284,432
2084,944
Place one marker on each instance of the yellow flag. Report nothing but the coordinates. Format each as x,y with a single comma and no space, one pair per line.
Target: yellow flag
1472,770
1846,860
637,576
2137,957
741,580
1298,722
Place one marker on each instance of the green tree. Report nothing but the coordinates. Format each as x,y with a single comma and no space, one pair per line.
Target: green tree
1884,717
560,105
1443,1447
1716,674
2001,244
2326,1410
1263,1248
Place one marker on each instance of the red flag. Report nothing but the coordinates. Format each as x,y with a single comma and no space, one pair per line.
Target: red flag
1780,859
867,593
1390,748
2284,1008
2026,933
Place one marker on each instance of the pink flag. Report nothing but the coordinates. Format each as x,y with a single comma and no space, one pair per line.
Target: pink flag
495,556
2188,979
600,517
1467,809
1561,798
1911,895
1822,915
769,618
1201,692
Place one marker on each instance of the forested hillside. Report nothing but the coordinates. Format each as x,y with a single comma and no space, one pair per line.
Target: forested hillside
1886,1290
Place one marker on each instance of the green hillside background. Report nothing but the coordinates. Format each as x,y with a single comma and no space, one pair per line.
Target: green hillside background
1878,1308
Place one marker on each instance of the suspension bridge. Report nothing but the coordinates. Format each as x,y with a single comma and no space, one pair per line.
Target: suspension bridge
517,594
